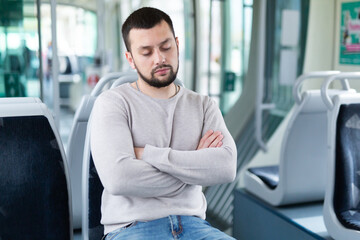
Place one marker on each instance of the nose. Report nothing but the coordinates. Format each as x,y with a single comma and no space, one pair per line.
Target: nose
160,58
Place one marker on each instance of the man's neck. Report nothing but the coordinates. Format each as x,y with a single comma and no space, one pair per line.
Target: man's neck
154,92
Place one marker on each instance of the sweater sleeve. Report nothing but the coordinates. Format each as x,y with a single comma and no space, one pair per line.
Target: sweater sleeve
204,167
114,158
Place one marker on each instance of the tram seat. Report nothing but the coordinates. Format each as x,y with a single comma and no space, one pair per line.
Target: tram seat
342,198
35,194
92,187
300,175
75,148
75,154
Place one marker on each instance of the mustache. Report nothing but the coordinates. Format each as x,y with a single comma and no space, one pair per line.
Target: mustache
161,66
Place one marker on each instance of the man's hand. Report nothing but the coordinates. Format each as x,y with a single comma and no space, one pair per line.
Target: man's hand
211,139
138,152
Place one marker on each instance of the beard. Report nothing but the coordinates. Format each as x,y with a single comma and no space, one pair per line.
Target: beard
155,82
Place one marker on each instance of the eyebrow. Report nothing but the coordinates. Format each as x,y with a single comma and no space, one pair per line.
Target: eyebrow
149,47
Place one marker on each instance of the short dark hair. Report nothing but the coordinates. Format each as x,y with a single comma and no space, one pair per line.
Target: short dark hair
144,18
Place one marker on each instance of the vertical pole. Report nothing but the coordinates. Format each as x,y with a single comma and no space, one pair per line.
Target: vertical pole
7,66
101,31
260,20
194,45
38,9
210,35
55,66
225,51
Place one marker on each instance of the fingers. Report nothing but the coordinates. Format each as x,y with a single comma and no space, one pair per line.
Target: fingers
217,140
203,139
211,139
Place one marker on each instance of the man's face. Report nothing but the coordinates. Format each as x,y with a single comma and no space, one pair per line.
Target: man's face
154,54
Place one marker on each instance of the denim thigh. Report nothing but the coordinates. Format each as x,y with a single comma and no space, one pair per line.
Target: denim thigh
171,227
197,228
156,229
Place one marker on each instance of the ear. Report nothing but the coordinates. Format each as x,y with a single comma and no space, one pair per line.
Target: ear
177,44
130,59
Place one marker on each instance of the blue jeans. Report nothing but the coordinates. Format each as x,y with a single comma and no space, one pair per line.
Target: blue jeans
171,227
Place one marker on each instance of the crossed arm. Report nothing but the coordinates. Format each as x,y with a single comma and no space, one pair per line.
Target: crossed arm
211,139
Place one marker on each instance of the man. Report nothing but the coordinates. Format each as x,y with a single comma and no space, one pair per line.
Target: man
155,144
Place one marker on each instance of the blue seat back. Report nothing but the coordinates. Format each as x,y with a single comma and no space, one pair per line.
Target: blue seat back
341,204
347,166
34,194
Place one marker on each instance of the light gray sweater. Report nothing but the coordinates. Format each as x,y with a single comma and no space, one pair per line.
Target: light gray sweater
168,179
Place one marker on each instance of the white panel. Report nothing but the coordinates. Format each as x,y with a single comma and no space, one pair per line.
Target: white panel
290,25
288,66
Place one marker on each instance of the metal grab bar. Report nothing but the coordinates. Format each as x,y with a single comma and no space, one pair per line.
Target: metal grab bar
341,76
300,80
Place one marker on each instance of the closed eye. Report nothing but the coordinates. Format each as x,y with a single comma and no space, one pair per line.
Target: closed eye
146,53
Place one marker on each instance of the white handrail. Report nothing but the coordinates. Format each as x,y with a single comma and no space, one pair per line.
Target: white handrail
300,80
341,76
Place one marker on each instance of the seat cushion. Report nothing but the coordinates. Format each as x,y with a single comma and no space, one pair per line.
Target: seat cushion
269,175
351,218
347,165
